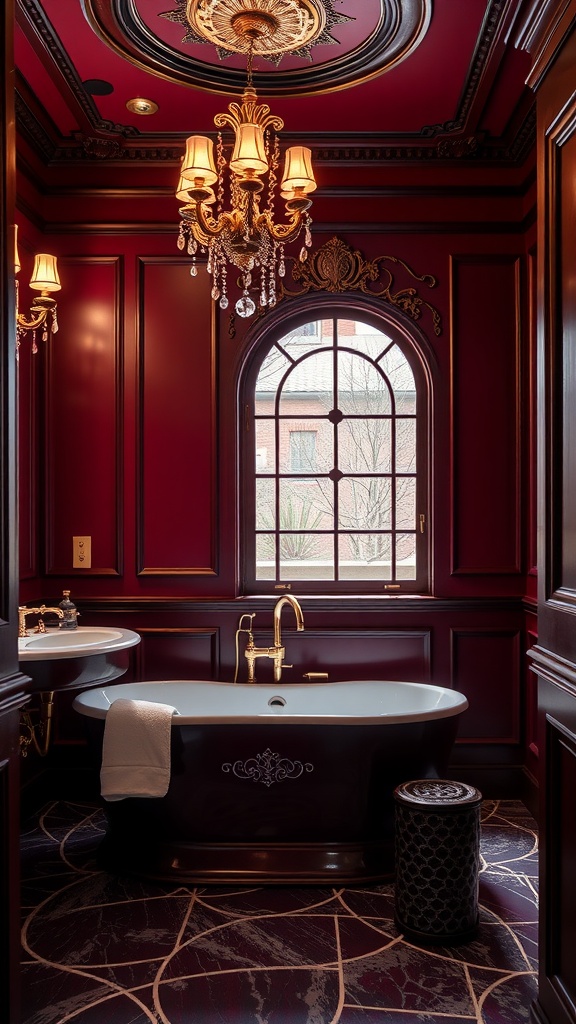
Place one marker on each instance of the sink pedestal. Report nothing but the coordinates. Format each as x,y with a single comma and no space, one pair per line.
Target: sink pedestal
67,660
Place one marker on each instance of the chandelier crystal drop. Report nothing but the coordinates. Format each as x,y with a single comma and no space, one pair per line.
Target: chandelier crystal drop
245,235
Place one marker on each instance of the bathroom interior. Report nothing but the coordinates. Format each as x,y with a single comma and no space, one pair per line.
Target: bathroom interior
175,456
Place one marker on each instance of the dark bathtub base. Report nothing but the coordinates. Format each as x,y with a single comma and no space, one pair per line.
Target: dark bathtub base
274,804
252,863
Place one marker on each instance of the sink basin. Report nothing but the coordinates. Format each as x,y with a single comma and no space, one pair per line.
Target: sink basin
61,641
74,659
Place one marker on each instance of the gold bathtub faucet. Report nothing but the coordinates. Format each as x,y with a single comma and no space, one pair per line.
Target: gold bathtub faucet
277,652
23,611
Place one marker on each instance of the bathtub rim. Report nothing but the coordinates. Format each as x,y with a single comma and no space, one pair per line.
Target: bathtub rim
85,704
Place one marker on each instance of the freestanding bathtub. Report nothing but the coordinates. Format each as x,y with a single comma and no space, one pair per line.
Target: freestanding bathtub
282,783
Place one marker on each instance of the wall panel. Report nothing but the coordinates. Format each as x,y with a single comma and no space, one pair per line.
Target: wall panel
360,653
177,654
564,554
485,428
27,367
486,667
177,435
82,463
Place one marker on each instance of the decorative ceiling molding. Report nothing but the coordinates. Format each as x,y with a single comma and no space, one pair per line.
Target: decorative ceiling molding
478,65
401,27
268,28
454,140
52,46
338,151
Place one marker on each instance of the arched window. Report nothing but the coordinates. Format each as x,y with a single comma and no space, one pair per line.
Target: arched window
336,464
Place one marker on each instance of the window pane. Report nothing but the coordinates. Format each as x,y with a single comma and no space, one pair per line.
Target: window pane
406,503
306,505
309,388
314,334
365,503
320,450
361,388
365,339
405,445
406,556
302,451
272,370
365,556
265,446
405,402
305,556
401,378
265,505
265,560
364,446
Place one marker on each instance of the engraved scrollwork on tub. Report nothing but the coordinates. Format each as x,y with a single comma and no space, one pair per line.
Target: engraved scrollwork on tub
268,767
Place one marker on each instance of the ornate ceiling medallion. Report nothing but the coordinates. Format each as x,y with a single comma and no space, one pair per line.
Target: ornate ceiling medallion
271,28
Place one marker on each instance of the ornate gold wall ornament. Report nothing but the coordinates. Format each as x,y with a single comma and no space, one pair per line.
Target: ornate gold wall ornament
337,268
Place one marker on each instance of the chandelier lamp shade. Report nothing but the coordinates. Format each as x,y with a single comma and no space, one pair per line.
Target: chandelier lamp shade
230,205
45,280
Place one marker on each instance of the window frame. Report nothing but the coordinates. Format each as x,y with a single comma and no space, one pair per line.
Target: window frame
415,348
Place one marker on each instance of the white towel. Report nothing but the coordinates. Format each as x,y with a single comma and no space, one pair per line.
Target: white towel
136,749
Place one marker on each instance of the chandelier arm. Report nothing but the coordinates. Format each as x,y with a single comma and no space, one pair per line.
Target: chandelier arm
249,112
281,232
210,227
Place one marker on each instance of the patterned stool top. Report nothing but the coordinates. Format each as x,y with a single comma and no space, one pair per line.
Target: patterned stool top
437,792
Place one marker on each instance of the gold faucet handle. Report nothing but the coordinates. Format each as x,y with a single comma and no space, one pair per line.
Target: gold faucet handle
23,612
316,677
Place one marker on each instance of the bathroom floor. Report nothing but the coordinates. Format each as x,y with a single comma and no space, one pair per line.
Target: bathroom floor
98,949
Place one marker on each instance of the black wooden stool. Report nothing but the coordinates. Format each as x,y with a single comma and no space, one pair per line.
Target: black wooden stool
437,848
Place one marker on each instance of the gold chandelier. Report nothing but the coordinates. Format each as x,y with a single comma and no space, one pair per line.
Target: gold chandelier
247,235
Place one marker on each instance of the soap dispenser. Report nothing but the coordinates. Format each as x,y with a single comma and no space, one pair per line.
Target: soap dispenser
70,616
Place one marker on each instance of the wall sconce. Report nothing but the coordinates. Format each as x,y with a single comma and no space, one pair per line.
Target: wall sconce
43,309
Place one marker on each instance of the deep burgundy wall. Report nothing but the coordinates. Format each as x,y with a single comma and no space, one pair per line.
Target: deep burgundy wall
129,428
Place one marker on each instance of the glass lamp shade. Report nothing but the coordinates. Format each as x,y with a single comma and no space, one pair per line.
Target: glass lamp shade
16,256
298,173
198,162
184,188
249,154
45,274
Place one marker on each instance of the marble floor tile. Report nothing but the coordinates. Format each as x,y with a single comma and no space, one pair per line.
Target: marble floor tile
98,949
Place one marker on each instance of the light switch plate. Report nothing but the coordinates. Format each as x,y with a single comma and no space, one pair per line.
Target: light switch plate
81,552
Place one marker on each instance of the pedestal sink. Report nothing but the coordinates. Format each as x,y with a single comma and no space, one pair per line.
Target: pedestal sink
73,659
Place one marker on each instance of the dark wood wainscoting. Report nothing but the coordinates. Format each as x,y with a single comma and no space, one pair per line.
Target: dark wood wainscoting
472,646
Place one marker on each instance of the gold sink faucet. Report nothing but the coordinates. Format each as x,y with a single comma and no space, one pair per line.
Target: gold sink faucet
23,611
277,651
